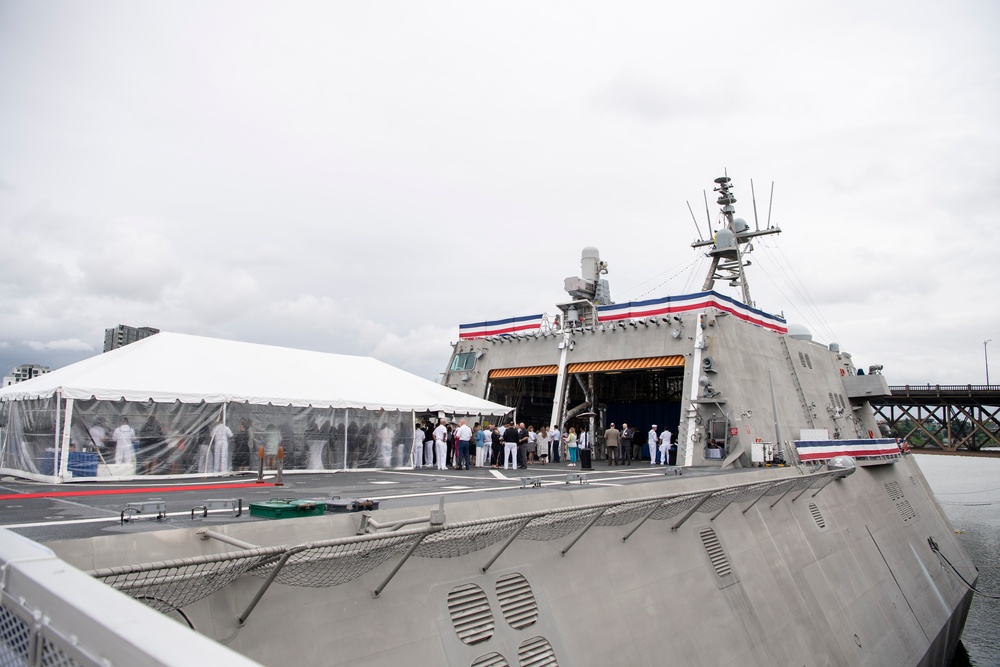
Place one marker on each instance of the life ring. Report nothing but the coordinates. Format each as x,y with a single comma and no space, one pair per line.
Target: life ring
871,434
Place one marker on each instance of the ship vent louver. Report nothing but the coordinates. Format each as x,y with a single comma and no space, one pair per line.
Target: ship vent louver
809,362
841,402
906,510
470,613
717,556
817,516
490,660
832,401
894,491
913,482
517,602
802,359
536,652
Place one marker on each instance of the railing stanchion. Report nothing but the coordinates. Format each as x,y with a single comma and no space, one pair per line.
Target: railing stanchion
510,540
644,519
406,557
577,538
691,511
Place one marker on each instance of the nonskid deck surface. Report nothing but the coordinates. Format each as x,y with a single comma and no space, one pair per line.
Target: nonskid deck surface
50,512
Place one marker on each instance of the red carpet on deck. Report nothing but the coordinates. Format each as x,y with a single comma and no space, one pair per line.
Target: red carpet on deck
125,491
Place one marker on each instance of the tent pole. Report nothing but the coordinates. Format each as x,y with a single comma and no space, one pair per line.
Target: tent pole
345,437
63,451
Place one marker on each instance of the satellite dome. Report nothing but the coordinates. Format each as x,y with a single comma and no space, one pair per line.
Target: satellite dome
740,225
724,239
799,332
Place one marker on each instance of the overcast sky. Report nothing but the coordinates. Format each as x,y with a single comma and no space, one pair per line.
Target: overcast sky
363,177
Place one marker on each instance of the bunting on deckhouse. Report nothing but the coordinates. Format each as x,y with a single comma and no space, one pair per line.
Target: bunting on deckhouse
824,450
504,327
679,304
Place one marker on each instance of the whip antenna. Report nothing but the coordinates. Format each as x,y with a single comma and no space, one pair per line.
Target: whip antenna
695,220
769,206
754,196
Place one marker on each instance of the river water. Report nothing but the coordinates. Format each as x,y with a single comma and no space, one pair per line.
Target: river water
968,489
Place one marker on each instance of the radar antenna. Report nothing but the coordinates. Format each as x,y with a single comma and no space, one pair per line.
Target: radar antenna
731,242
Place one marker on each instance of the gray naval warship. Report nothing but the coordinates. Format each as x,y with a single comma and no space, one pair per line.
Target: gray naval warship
783,529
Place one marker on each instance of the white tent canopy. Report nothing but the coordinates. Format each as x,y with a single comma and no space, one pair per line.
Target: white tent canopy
169,367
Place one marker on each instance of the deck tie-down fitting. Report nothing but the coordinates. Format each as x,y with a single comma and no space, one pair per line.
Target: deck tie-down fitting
146,506
234,504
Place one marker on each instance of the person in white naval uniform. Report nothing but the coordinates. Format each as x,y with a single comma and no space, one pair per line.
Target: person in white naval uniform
219,443
652,442
665,446
440,435
418,446
124,436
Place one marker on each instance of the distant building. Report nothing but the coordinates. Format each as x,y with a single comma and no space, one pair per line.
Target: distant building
123,334
24,372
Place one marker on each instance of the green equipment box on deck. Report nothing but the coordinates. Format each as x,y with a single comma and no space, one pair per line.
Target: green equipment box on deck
287,509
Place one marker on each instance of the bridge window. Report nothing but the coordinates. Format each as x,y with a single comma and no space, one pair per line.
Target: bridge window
464,361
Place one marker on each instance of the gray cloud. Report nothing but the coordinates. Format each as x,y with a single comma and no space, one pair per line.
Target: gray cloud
335,178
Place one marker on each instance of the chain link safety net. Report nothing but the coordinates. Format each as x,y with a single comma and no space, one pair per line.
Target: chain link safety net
169,585
173,584
465,538
336,562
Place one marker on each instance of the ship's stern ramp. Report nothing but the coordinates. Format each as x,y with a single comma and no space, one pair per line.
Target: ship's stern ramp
829,567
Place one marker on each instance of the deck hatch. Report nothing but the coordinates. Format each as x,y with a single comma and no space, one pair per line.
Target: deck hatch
470,613
537,652
517,602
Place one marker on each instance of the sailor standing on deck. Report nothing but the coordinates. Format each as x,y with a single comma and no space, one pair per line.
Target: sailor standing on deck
123,436
440,438
665,446
418,446
652,442
220,447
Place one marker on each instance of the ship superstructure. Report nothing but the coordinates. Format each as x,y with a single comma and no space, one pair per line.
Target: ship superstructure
721,374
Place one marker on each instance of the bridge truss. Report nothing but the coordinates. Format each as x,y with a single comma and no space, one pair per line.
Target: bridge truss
946,417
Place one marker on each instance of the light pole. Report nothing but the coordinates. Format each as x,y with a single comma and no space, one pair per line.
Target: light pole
987,356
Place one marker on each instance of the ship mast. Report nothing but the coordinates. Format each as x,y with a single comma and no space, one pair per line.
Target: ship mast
730,243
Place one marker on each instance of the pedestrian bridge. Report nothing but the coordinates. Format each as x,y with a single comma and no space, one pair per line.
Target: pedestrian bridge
945,417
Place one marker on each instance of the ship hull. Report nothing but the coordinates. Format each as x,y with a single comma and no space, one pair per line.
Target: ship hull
841,575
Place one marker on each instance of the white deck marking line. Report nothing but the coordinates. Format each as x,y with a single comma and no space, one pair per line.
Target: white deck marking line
384,482
499,475
116,517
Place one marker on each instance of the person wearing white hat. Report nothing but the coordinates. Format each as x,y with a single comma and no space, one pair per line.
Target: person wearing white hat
652,442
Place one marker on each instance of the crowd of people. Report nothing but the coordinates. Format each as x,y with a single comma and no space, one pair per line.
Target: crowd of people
441,444
446,445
